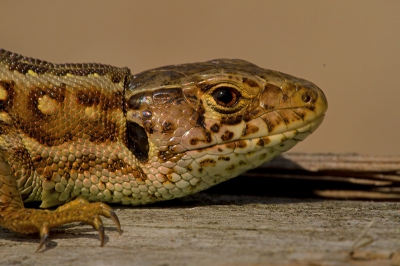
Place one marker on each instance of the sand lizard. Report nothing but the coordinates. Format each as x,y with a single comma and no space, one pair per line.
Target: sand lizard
83,135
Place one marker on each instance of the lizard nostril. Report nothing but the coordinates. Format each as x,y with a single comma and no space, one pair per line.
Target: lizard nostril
306,98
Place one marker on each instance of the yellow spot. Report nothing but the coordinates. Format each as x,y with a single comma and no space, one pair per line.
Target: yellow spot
48,106
69,75
91,113
32,73
96,75
5,117
3,93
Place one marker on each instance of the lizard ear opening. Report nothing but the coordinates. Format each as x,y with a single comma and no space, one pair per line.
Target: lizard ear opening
138,142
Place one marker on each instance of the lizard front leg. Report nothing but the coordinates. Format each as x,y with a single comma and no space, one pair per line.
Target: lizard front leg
14,216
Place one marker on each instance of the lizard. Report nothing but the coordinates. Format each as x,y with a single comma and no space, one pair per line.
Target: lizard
82,136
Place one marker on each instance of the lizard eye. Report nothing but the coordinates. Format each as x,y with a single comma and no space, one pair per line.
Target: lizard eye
226,96
306,98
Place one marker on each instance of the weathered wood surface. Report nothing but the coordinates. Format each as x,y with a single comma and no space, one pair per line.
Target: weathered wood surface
228,229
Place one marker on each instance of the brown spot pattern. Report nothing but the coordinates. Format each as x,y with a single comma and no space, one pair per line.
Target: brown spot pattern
223,158
67,125
234,120
230,168
148,126
241,144
228,135
200,120
249,129
215,128
168,156
104,131
261,143
207,162
266,140
168,127
90,98
253,113
230,146
250,82
194,141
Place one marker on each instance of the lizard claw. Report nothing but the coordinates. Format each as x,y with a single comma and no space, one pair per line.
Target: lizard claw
98,225
44,232
115,219
79,210
109,213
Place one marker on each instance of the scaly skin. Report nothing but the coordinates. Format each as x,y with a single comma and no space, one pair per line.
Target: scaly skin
78,133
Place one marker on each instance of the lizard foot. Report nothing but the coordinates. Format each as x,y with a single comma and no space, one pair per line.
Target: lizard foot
80,210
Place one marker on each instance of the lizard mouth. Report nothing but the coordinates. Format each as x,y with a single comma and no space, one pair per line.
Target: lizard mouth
258,150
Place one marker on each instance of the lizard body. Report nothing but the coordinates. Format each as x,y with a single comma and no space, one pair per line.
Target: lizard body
82,135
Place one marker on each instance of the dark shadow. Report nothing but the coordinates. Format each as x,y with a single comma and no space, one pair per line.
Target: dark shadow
293,181
206,198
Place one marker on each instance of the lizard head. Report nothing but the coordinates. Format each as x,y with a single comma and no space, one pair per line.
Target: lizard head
195,125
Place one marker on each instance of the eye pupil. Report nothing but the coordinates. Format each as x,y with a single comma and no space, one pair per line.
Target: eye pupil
225,97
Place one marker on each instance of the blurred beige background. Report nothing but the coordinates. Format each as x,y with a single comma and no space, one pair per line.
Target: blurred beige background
351,49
